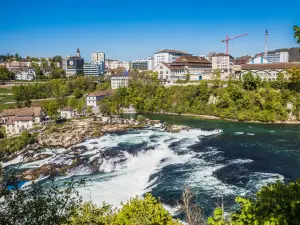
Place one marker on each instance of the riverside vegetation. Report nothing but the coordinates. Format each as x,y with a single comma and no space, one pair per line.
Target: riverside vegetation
249,99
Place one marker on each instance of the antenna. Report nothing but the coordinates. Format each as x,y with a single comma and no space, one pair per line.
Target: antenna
266,44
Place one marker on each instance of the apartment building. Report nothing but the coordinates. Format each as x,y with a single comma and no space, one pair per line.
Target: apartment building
18,120
119,80
224,63
113,64
167,56
278,57
97,57
93,69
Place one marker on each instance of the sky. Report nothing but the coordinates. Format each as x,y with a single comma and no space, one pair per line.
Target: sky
128,30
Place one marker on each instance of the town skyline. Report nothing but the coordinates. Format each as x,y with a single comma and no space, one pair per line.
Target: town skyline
131,31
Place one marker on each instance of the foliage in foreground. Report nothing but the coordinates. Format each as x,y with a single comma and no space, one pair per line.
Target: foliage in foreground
275,204
135,212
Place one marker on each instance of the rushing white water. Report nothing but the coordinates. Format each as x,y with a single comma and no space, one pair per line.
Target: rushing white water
121,166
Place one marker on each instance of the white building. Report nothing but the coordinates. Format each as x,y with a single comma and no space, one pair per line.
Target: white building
259,60
116,63
97,57
164,71
26,75
224,63
67,113
93,69
198,68
167,56
268,71
18,120
119,80
278,57
92,98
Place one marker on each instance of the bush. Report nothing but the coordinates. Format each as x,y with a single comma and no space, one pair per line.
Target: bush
141,119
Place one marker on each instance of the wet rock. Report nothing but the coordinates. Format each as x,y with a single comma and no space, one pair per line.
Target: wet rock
44,170
37,158
175,128
77,150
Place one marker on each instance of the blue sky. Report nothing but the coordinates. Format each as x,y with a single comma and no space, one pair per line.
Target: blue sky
128,30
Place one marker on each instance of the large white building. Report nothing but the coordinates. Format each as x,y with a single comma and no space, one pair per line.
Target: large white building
167,56
18,120
26,75
278,57
224,63
198,68
150,61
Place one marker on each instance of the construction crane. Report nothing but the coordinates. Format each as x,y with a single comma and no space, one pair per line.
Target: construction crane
229,39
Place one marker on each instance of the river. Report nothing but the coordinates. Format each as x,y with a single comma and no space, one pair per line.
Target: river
215,158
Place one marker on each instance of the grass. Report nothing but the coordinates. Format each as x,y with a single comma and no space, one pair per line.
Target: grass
6,106
5,90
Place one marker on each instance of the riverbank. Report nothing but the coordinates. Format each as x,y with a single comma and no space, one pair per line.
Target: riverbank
226,119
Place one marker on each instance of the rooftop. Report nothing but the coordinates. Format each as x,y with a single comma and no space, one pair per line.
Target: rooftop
222,54
32,111
267,66
100,93
67,108
191,59
172,51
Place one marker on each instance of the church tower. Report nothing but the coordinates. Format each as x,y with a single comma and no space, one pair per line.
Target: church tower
78,53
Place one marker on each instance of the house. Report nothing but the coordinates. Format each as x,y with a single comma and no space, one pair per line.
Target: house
67,113
268,71
119,80
92,98
164,71
18,120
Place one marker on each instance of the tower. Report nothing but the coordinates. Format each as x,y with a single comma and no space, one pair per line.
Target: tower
266,44
78,53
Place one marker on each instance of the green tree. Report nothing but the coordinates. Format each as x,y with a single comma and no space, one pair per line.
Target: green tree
297,33
77,93
5,74
89,109
251,82
51,108
141,119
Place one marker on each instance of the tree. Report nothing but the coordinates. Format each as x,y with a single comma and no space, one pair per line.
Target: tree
297,33
77,93
104,109
5,74
39,205
89,110
193,212
251,82
145,211
51,107
275,204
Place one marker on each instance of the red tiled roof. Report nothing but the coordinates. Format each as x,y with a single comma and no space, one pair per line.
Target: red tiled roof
166,64
267,66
